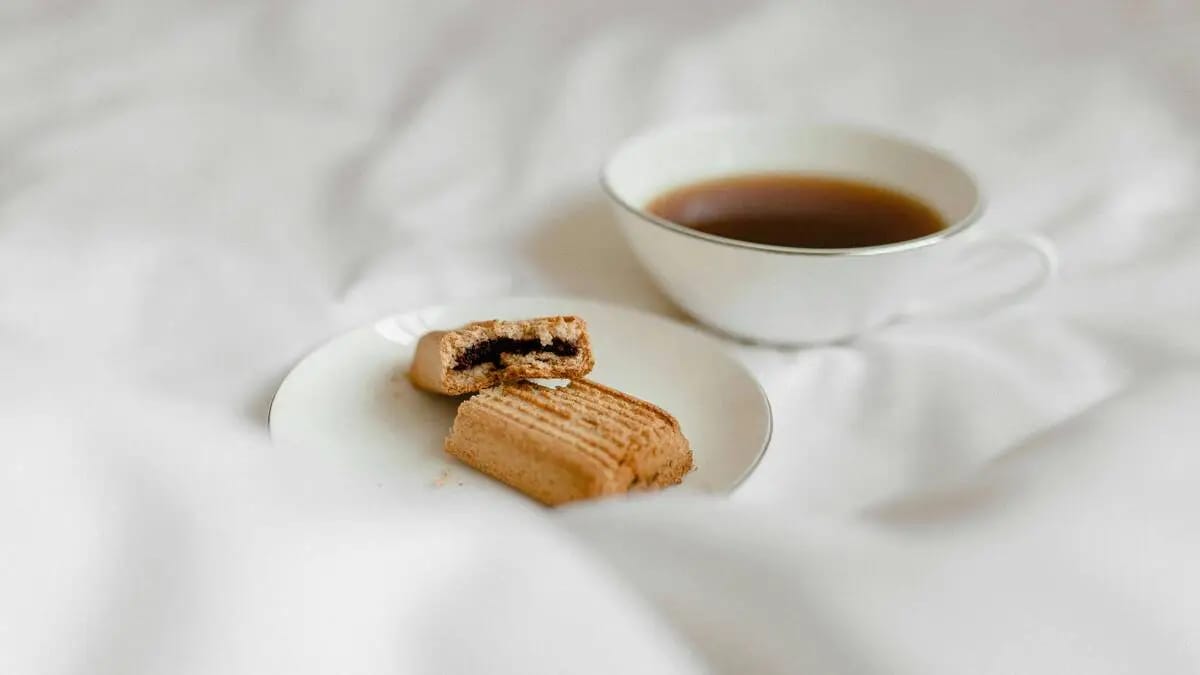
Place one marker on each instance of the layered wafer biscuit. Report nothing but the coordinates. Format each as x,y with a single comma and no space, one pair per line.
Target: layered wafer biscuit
486,353
559,444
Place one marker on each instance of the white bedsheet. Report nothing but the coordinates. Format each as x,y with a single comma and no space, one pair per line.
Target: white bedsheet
194,194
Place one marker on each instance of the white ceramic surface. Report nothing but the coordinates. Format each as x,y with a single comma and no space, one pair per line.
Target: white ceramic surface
350,396
794,295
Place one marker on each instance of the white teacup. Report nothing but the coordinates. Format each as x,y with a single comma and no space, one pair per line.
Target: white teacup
787,295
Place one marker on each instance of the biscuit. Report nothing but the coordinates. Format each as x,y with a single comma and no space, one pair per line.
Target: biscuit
487,353
560,444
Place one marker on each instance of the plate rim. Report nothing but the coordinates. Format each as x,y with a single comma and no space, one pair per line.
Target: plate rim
693,329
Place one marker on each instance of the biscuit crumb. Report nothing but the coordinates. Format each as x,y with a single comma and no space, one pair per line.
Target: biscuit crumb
441,479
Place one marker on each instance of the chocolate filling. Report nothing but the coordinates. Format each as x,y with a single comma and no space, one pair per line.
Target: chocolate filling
489,351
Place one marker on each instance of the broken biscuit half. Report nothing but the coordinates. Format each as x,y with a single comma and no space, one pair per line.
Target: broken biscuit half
486,353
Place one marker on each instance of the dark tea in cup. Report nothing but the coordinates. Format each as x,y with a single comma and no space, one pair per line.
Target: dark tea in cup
798,210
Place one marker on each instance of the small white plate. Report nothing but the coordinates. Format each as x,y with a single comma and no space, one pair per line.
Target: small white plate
351,395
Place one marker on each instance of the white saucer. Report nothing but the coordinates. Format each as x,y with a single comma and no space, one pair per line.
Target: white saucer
351,397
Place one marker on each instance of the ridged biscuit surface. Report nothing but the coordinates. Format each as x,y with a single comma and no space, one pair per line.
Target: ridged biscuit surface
559,444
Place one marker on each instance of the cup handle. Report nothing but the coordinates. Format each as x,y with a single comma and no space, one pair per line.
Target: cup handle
1041,249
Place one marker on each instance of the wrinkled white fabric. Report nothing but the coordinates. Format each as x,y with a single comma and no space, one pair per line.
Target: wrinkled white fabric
194,194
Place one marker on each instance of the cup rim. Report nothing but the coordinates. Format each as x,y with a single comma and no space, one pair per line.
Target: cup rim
957,227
